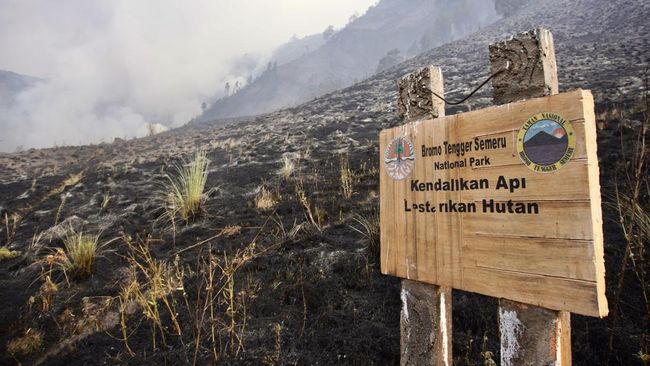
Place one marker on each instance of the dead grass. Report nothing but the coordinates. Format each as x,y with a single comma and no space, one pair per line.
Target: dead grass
81,251
71,180
312,215
183,191
630,202
265,199
30,342
282,235
288,167
346,177
368,226
11,225
274,358
231,230
58,211
149,288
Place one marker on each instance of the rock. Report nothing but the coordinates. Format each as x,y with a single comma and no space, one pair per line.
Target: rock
58,232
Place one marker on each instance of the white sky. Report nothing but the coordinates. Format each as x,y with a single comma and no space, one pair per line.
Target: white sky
115,65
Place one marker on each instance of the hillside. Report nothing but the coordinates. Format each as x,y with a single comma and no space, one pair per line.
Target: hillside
354,52
293,281
11,84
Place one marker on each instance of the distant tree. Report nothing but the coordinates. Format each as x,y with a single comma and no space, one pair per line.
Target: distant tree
353,17
328,32
392,58
237,87
227,88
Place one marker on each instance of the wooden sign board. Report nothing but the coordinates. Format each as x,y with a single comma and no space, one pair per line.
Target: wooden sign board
503,201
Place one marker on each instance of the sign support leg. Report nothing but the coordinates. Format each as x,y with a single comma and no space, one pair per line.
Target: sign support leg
425,321
425,324
530,335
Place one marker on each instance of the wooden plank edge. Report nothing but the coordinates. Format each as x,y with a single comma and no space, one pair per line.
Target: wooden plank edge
488,290
595,196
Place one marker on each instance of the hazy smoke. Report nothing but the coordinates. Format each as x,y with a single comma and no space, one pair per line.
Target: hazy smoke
113,66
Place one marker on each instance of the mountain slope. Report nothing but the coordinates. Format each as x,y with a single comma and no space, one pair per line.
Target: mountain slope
353,53
11,84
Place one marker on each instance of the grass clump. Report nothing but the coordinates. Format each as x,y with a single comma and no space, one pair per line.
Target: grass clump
151,288
81,250
265,199
346,177
183,191
288,167
6,253
368,226
28,343
11,224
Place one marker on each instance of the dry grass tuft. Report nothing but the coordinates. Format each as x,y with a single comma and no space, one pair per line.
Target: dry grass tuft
346,177
265,199
10,225
27,344
231,230
282,235
301,195
150,288
288,167
183,192
368,226
81,250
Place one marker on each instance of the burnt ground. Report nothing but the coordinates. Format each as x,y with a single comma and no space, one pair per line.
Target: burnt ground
315,297
303,291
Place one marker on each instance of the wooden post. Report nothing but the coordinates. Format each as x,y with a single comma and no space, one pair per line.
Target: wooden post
425,322
530,335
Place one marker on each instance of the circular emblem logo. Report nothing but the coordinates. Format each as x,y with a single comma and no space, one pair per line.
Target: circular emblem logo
546,142
399,158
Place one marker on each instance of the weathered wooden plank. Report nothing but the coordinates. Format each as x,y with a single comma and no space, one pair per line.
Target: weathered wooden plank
548,257
595,198
560,220
556,293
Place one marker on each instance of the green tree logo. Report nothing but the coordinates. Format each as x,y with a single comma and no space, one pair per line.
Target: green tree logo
399,149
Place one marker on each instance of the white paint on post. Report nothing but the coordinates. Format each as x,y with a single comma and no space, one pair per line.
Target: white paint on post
511,328
443,326
405,308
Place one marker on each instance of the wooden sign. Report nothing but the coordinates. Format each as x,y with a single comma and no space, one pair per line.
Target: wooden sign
503,201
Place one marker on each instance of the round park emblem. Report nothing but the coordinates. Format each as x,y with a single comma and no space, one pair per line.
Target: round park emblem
399,158
546,142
